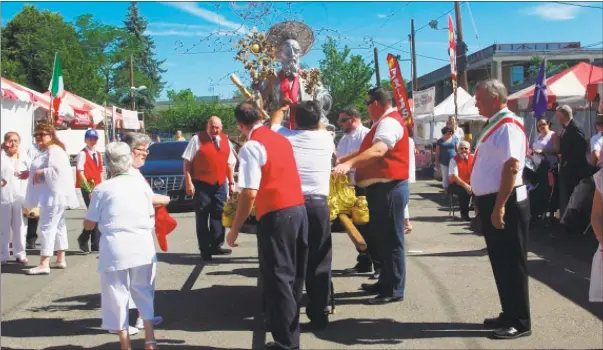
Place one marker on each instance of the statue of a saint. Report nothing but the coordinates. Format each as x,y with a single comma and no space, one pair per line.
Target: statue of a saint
292,40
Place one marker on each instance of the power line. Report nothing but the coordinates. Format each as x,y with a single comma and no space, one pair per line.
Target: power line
452,9
577,5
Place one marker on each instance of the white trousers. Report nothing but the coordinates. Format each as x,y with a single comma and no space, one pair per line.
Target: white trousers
53,230
116,288
444,171
406,213
11,219
595,293
132,303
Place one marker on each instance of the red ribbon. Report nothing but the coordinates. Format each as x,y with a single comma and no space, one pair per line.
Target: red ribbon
291,93
164,225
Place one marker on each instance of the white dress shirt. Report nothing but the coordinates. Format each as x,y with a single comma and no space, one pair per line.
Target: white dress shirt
350,143
313,150
81,158
507,142
193,147
252,157
15,188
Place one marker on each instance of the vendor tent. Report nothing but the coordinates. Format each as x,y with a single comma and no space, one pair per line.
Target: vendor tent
16,113
593,89
442,111
566,87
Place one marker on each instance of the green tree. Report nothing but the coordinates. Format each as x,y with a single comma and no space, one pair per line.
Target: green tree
29,43
147,69
189,115
102,49
551,68
347,77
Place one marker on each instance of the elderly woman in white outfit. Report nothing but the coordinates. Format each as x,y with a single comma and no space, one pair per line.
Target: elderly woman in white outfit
51,188
596,275
123,209
13,184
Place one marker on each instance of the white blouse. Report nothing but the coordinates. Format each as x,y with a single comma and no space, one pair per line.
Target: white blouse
15,188
545,143
57,186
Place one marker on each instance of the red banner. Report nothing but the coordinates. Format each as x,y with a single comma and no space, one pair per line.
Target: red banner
452,51
399,89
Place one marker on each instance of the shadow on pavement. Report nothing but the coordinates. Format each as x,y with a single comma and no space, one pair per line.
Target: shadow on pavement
476,252
251,272
352,331
194,259
136,344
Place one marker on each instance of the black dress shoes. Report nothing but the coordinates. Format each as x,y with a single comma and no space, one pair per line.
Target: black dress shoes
221,251
206,257
380,300
83,244
375,276
510,333
359,268
371,288
495,322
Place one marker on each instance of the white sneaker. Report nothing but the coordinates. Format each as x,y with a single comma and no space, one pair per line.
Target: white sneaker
131,331
157,320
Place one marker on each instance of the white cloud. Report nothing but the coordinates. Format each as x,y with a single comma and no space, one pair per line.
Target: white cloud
180,26
382,16
554,12
213,17
173,32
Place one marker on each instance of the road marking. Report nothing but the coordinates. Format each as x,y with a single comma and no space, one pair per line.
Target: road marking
415,251
570,271
586,278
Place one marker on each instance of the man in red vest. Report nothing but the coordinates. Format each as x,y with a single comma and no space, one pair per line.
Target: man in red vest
209,162
89,170
459,175
382,167
268,177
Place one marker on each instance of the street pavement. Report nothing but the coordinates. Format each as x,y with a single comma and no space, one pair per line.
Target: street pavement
450,290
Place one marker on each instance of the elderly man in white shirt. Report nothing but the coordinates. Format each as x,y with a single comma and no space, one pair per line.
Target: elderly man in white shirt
122,207
350,121
209,162
312,149
503,207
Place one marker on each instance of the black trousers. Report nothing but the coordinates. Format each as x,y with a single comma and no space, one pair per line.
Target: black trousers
283,256
463,197
370,256
209,206
32,231
320,255
568,180
92,235
507,249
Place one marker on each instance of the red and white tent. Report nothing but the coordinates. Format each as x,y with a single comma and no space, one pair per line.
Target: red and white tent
593,89
12,91
566,87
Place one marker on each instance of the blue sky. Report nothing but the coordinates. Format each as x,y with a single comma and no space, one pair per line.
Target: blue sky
177,27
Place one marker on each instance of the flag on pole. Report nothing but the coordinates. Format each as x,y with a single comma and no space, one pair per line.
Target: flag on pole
452,52
56,87
539,102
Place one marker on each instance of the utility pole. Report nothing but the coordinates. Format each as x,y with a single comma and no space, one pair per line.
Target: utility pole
377,67
131,84
415,80
461,48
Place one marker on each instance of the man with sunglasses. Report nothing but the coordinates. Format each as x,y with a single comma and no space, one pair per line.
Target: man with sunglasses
382,167
459,176
350,121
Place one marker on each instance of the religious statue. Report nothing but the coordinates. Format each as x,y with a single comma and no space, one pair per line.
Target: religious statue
285,43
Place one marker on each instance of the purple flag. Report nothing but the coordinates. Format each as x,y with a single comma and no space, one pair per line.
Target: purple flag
539,103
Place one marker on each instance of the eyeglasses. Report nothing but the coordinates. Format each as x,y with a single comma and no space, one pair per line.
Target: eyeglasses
143,150
41,134
343,120
463,148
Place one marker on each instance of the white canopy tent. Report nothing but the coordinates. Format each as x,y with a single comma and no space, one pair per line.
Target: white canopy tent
17,110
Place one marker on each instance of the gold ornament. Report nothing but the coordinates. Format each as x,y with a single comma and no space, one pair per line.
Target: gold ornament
360,213
255,48
312,78
257,55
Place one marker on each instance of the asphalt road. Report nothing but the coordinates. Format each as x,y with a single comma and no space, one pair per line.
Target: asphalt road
450,289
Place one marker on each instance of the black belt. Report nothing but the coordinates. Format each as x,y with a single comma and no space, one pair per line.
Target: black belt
314,196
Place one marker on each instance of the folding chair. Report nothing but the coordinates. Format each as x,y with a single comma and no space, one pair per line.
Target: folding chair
451,205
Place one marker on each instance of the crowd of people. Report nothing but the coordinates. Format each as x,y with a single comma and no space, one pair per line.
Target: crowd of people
283,175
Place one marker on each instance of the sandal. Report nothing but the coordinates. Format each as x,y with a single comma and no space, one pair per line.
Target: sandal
152,344
407,230
59,265
39,270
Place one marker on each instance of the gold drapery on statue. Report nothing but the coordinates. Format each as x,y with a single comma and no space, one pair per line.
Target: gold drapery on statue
342,201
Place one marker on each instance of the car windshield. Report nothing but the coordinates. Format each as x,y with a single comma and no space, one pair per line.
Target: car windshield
166,151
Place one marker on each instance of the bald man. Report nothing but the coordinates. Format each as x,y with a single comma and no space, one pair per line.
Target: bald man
209,162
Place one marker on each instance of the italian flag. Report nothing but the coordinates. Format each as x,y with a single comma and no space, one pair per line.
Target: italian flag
56,87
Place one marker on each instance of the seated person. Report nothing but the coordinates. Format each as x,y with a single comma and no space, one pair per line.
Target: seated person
459,174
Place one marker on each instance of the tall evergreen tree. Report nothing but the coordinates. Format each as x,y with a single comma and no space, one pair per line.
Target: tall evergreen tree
147,69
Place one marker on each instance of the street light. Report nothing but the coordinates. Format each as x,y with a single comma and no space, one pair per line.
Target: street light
134,89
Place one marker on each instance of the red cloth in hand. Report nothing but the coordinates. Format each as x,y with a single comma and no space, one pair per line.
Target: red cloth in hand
164,225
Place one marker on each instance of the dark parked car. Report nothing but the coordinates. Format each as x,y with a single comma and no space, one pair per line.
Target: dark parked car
163,170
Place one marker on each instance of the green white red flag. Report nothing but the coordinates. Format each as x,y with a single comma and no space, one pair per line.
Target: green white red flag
56,87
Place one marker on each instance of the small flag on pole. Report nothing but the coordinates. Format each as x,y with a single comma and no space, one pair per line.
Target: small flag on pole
539,102
56,87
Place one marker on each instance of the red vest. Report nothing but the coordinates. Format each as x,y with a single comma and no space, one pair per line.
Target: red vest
210,164
394,165
92,171
280,186
464,167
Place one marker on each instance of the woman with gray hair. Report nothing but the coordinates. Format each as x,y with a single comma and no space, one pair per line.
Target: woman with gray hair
127,257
